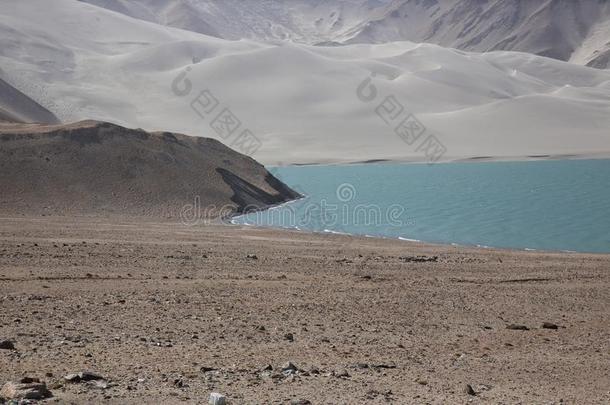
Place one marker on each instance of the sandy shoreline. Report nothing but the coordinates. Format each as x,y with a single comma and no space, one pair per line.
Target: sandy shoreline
152,306
454,159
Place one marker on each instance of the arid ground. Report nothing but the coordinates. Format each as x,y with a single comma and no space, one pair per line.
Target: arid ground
167,313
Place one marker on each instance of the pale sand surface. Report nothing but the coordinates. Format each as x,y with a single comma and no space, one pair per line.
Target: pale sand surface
304,103
147,305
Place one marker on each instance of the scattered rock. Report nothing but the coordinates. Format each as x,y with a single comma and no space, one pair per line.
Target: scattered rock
252,257
101,384
289,337
29,390
344,260
7,345
217,399
268,367
469,390
513,326
372,394
484,387
83,376
549,325
342,374
384,366
300,402
289,368
418,259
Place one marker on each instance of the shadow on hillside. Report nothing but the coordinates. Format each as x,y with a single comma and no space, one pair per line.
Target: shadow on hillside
249,197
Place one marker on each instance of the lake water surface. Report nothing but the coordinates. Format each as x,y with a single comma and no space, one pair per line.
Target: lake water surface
547,205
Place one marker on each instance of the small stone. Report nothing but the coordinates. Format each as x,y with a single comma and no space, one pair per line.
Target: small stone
217,399
29,380
72,377
549,325
300,402
384,366
289,337
513,326
342,374
268,367
33,390
469,390
289,368
82,376
7,345
205,369
101,384
252,257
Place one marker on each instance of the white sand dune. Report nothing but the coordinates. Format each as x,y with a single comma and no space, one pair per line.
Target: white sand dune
17,107
84,62
578,31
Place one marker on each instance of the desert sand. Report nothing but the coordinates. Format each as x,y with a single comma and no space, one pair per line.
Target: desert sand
168,313
313,103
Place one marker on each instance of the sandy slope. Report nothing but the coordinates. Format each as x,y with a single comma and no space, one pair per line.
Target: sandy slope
301,101
169,313
98,169
578,31
17,107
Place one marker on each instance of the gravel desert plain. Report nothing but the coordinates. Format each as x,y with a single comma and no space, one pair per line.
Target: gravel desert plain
160,312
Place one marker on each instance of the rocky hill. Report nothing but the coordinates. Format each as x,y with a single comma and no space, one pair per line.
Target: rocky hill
96,168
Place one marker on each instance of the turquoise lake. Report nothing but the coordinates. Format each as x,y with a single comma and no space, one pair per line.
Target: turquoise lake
561,205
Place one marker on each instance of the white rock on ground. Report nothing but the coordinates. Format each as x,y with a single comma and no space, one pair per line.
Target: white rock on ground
217,399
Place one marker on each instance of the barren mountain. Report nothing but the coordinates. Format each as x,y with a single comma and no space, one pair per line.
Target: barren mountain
577,31
95,168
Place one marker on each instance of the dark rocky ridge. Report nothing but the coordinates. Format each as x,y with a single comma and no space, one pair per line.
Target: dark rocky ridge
100,169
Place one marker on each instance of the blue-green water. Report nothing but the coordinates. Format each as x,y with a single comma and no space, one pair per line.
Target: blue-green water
547,205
